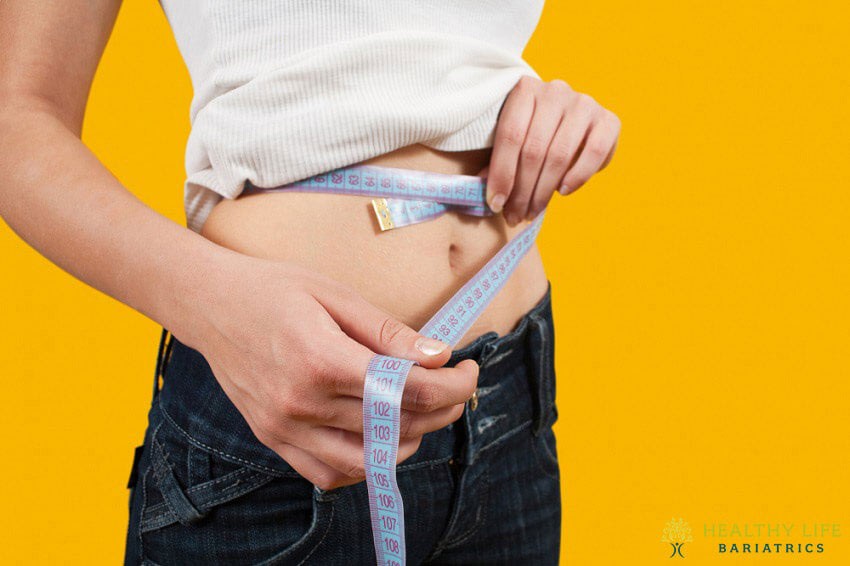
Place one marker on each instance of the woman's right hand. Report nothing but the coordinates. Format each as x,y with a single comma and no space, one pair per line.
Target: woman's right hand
290,348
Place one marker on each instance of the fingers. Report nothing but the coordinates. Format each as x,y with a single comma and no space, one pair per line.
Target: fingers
379,331
511,130
548,114
432,399
563,151
610,154
596,151
425,390
340,360
340,368
347,414
342,450
330,455
542,135
429,390
314,470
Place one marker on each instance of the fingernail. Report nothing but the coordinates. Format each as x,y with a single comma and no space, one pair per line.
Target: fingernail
497,202
564,190
430,346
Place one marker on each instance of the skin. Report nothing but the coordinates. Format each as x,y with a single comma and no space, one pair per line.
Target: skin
283,308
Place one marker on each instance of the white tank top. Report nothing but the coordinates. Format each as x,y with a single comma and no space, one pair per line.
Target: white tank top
287,89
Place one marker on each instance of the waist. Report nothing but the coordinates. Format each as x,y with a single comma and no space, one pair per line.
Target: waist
409,272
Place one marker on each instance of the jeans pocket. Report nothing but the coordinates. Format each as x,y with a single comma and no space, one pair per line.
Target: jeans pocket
197,507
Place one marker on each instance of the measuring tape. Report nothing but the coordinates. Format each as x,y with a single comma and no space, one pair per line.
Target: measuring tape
408,195
404,197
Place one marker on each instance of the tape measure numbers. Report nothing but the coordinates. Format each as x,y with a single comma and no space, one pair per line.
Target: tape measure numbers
404,197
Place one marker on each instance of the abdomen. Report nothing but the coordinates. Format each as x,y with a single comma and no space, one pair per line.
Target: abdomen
411,271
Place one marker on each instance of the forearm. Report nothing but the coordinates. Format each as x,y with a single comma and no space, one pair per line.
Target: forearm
58,197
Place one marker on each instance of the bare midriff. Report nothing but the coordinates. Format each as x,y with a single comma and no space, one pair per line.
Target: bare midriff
411,271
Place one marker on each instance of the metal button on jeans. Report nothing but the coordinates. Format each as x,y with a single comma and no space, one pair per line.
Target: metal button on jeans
473,401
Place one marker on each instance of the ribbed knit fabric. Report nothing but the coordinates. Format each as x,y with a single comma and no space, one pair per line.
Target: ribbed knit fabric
286,89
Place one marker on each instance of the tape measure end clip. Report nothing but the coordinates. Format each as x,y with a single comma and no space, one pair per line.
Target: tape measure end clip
382,212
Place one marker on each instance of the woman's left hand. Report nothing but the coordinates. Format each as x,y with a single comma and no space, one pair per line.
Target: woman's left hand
548,138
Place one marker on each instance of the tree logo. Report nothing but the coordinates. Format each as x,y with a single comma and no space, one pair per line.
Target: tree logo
676,533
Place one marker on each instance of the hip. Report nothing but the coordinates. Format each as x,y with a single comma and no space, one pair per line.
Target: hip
486,487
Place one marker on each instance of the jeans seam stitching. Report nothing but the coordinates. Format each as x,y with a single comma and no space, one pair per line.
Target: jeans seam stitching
145,496
164,470
454,516
321,540
413,466
540,458
549,354
239,492
222,453
167,515
501,439
540,369
189,465
482,518
141,512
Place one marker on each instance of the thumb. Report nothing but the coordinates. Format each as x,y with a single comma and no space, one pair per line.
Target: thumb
380,331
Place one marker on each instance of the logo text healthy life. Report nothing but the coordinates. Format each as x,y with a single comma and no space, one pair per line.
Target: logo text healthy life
784,531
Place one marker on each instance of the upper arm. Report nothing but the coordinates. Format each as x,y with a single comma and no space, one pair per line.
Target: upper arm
49,51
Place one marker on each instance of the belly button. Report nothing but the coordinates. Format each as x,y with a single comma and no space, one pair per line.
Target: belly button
454,257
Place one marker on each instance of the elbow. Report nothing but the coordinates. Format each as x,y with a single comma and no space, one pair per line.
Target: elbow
18,109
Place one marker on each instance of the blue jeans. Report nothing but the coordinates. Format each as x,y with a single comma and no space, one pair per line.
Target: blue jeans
483,490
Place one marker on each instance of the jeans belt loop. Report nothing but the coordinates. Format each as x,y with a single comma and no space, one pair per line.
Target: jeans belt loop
166,342
541,373
172,493
487,352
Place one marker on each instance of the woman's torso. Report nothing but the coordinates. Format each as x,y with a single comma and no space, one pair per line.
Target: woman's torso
410,272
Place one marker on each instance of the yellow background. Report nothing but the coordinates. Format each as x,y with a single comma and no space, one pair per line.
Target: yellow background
700,289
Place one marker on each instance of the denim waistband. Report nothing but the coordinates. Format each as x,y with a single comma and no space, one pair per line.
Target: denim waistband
516,382
516,389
